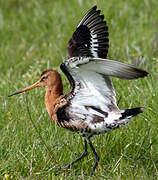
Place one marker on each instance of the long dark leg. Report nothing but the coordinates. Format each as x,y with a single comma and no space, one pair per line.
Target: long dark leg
78,159
96,156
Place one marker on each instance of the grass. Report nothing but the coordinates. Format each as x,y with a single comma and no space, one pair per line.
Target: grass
33,37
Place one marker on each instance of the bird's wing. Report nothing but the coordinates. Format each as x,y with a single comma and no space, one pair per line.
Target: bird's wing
91,37
90,82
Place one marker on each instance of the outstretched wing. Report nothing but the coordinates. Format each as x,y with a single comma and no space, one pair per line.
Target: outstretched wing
91,37
91,86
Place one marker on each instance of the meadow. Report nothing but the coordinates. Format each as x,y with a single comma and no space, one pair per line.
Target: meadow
33,37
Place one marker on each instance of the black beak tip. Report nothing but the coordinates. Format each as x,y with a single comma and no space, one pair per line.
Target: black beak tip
11,94
18,92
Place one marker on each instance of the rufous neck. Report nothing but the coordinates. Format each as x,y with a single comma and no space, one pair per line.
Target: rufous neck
51,97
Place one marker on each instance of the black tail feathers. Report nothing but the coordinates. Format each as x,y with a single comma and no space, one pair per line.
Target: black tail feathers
128,113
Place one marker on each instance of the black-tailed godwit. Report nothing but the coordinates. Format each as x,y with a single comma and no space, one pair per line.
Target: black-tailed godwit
90,107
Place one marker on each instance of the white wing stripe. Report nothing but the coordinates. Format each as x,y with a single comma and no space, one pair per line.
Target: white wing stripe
94,45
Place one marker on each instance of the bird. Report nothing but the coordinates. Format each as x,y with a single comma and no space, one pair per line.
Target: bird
90,107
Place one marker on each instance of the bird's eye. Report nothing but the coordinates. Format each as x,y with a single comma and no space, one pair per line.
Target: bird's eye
43,78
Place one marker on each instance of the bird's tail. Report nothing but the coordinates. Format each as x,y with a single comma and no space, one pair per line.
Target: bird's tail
127,115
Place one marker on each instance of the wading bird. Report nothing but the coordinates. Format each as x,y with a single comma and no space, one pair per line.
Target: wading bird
90,107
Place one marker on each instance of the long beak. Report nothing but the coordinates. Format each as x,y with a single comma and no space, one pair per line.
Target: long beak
35,85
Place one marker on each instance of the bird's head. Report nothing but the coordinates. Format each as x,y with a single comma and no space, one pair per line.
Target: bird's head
48,78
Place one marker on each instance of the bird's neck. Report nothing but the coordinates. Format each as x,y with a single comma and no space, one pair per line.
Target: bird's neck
52,95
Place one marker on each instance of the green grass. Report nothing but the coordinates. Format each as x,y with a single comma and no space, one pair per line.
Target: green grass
33,35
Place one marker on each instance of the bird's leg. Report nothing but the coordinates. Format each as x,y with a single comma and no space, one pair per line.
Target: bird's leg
78,159
96,156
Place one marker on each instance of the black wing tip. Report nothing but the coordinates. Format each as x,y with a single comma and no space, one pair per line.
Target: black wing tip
90,13
83,42
138,73
146,73
94,7
143,73
102,17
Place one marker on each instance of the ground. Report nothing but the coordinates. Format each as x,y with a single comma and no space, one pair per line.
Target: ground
33,37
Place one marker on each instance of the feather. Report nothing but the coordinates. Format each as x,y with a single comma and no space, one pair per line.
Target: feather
91,36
